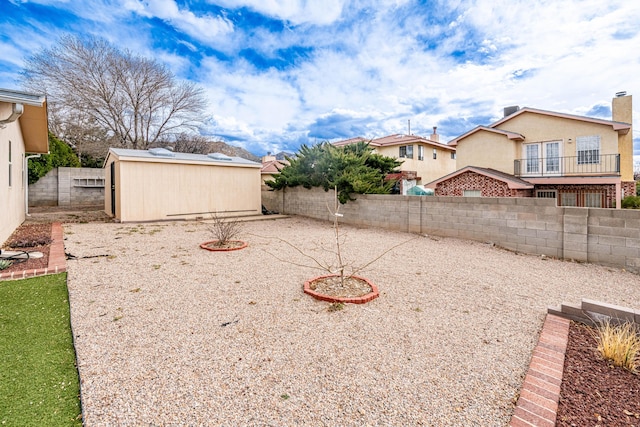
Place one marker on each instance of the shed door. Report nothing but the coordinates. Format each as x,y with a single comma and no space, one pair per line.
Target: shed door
113,188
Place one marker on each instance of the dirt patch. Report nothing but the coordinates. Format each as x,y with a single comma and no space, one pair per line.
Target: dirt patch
29,238
70,214
593,392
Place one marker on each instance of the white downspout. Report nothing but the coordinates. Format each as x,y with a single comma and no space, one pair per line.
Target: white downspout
16,111
26,181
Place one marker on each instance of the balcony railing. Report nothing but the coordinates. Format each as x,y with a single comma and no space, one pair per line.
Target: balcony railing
587,163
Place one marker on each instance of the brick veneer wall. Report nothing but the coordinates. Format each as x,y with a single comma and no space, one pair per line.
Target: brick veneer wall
629,188
529,225
489,187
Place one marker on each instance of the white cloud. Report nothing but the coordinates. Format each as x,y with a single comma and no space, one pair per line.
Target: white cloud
205,27
297,12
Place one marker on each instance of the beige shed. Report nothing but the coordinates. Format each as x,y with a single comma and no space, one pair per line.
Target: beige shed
158,184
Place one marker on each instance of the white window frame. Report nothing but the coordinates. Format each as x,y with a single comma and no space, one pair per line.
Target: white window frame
420,152
532,158
551,164
588,150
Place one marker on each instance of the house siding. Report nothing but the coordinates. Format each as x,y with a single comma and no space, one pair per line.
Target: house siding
11,197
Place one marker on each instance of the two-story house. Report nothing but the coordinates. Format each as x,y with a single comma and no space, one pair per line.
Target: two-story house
423,159
23,129
579,161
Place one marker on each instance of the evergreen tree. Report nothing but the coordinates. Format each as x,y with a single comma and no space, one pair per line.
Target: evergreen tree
354,168
60,155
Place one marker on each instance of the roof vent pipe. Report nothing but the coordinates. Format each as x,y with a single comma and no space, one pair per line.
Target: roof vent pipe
16,111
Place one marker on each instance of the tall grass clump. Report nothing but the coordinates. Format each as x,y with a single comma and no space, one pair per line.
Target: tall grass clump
619,344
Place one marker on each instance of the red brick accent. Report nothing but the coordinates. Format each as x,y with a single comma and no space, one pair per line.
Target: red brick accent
629,188
209,247
538,402
353,300
57,258
489,187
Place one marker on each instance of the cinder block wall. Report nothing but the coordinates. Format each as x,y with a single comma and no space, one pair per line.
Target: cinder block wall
529,225
45,191
68,187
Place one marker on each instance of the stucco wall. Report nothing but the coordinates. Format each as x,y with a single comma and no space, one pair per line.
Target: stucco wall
528,225
487,150
12,198
428,169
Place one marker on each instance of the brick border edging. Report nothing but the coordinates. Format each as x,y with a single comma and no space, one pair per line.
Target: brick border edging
537,405
57,259
351,300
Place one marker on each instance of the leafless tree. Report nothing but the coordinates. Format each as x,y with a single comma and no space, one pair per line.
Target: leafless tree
135,100
188,143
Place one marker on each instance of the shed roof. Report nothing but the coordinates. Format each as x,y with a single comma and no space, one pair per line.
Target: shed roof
184,158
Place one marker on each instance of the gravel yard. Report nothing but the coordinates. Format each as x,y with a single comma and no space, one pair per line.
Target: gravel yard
169,334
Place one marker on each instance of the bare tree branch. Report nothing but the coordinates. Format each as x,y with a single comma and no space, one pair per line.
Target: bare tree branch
133,100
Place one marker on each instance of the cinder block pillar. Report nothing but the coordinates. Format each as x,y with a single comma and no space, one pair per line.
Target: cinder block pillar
575,234
64,186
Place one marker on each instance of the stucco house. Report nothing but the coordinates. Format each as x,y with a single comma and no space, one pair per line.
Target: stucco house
271,167
158,184
423,159
579,161
23,131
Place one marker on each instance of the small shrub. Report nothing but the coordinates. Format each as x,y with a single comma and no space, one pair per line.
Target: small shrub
335,306
224,229
619,344
5,263
631,202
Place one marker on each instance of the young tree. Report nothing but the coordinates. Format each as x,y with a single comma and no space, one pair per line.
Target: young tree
350,169
134,100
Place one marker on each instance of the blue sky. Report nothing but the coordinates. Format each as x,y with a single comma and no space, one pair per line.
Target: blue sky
278,73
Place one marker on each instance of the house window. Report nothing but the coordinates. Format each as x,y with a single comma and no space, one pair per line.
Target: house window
10,165
435,154
472,193
593,200
568,199
588,149
552,160
453,156
420,152
533,158
406,151
546,194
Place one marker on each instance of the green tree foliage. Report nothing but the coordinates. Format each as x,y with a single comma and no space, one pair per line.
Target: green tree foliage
631,202
352,169
60,155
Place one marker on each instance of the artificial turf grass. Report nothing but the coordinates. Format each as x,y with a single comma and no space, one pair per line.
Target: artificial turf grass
38,377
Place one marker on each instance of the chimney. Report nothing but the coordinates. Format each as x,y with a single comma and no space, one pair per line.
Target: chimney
510,110
434,136
621,111
268,158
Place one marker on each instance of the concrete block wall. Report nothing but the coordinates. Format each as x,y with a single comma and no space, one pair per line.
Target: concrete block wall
45,191
528,225
68,187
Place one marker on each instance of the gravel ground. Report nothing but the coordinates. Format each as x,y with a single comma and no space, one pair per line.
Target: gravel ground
170,334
